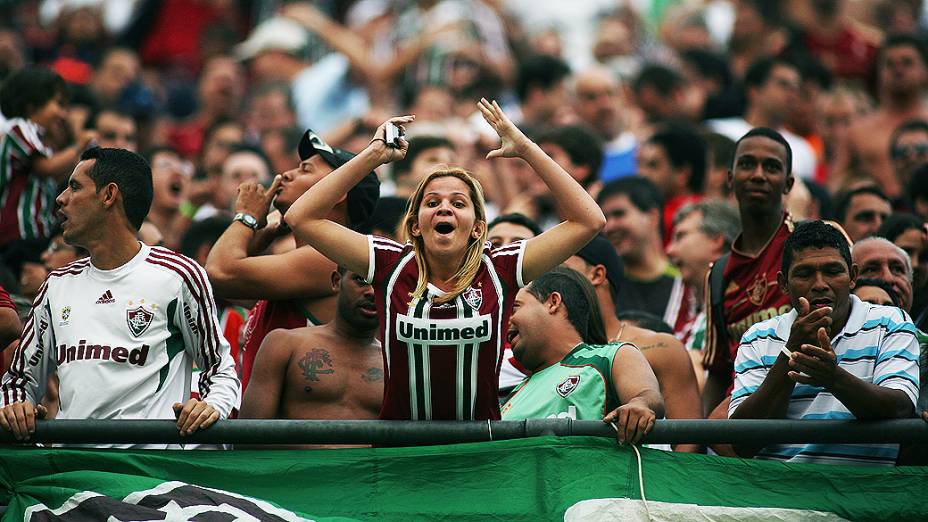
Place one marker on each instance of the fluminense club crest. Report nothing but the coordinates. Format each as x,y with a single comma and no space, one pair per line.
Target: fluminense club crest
473,297
758,289
568,385
138,319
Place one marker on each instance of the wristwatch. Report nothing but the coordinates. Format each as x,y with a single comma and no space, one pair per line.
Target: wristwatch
246,219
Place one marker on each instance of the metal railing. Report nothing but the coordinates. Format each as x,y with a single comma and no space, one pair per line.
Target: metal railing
410,433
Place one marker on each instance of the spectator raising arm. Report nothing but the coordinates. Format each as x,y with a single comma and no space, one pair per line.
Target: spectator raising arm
307,216
301,273
583,217
59,165
353,46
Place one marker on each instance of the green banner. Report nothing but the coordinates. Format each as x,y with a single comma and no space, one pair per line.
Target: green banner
577,478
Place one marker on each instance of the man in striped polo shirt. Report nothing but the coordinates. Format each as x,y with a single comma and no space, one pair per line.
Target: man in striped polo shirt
832,357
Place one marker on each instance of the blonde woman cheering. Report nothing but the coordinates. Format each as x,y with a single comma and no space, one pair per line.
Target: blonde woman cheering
444,298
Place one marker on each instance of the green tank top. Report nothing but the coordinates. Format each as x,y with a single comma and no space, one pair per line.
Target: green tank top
579,387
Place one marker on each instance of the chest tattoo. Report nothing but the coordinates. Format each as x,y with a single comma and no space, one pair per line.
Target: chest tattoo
372,375
315,363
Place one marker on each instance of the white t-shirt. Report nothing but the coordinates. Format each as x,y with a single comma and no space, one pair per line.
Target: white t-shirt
805,161
123,341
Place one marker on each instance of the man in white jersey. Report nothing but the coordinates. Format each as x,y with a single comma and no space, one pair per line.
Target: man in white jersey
123,326
832,357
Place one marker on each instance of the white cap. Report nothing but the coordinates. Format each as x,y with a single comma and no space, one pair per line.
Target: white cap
273,34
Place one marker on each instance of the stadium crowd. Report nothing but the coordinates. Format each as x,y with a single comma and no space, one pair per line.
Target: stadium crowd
611,210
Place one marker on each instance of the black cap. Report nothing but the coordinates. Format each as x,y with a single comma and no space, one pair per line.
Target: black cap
363,197
599,251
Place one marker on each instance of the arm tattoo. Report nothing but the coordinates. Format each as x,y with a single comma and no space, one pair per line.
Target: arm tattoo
314,364
373,375
659,344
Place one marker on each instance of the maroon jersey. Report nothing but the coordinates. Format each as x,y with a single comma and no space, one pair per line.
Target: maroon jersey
442,361
5,300
264,317
751,295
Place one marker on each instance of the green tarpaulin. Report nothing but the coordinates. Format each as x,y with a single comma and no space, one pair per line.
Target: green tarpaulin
576,478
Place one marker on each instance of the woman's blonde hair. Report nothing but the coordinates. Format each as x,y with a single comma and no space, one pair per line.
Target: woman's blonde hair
472,259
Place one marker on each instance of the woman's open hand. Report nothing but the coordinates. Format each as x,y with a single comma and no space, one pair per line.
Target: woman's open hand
513,143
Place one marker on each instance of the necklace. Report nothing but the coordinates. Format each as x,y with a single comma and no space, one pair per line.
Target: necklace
618,336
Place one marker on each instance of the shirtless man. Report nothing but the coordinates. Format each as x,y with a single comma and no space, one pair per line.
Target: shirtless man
664,352
332,371
903,74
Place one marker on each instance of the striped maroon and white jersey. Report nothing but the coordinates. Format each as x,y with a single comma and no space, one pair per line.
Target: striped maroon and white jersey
123,341
442,360
27,201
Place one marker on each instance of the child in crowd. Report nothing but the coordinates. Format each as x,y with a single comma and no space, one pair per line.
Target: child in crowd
33,101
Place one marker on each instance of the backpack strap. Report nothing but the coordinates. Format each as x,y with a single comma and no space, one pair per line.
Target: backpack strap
716,289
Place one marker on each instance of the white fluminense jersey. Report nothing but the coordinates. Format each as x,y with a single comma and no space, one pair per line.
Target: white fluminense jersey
123,341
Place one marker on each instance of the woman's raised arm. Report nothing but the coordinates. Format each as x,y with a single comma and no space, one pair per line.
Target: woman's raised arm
308,214
583,218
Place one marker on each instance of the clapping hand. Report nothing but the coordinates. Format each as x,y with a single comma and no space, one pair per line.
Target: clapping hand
513,142
814,365
808,322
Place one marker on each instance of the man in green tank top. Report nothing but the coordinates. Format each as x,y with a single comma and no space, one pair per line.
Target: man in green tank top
570,378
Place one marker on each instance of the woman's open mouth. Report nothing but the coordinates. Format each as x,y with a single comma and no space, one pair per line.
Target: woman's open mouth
444,228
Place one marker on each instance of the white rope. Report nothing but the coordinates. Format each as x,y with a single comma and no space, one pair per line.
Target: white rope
490,429
644,500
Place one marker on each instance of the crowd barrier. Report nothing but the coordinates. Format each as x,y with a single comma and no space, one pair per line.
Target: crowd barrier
551,469
411,433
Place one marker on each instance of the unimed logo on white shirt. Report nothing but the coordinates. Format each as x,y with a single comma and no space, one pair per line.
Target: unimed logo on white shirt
414,330
89,351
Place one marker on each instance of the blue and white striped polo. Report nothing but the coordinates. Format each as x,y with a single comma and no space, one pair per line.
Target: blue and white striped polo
877,345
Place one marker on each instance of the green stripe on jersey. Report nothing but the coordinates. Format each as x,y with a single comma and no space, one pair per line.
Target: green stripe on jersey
174,344
26,227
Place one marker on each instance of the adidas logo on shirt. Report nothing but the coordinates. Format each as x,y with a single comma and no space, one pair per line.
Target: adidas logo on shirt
106,298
